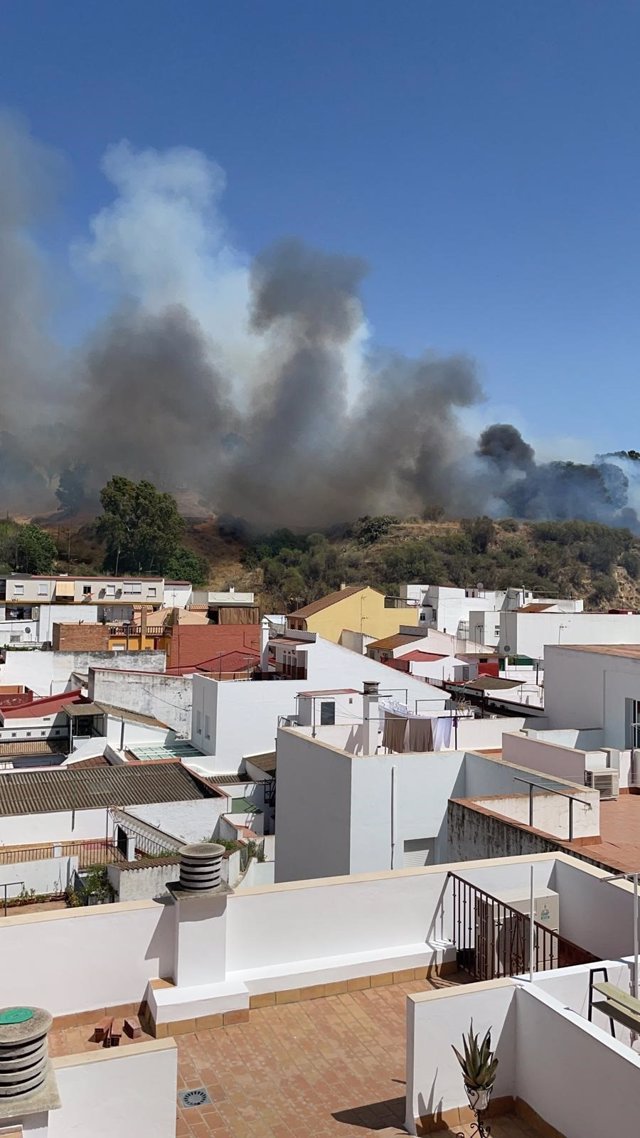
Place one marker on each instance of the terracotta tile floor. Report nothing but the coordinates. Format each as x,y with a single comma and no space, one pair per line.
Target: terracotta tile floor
620,833
328,1068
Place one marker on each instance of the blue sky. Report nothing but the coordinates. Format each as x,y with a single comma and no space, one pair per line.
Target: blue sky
483,156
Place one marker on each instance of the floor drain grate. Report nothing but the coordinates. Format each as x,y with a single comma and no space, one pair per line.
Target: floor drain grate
197,1097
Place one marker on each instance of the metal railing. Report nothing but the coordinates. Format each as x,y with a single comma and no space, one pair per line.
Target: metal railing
551,790
88,853
492,939
7,885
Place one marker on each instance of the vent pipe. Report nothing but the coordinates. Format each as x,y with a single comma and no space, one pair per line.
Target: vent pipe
201,867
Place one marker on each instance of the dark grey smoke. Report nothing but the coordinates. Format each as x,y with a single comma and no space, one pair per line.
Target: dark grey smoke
306,458
506,447
149,404
143,398
555,490
29,360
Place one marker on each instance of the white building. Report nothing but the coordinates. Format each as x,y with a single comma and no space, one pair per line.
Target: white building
596,689
344,809
233,719
198,964
177,594
476,614
527,632
31,589
48,673
158,695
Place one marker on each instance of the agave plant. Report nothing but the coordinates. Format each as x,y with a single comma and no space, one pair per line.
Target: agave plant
479,1063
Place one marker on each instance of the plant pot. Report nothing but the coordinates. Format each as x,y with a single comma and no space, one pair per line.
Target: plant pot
478,1097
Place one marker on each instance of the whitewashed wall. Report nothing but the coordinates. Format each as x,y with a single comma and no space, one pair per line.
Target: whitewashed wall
550,812
167,698
46,876
131,1090
49,673
58,826
243,716
434,1081
577,1078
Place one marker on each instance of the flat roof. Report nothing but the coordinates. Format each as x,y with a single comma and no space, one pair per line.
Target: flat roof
619,844
89,788
329,691
630,651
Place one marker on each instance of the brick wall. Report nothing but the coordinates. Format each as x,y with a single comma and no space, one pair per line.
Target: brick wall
80,638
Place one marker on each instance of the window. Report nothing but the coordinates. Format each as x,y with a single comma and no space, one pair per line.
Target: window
15,638
18,590
153,591
111,590
496,631
207,727
86,590
632,724
43,589
198,723
134,587
327,713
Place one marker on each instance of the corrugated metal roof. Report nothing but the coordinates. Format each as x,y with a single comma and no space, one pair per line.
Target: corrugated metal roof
91,788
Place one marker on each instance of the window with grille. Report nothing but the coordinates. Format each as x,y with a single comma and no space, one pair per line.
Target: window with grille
632,725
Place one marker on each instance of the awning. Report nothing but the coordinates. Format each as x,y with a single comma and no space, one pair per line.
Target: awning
64,589
491,683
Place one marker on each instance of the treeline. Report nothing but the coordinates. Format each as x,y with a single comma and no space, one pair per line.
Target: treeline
551,558
139,532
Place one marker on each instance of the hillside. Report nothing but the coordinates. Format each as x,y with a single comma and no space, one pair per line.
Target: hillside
572,558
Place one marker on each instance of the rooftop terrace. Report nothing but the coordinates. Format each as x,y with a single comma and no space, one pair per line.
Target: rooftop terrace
329,1068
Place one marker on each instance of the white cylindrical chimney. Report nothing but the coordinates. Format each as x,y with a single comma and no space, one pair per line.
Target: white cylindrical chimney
370,716
265,635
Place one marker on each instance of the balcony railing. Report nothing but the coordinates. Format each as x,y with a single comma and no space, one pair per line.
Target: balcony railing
493,940
88,853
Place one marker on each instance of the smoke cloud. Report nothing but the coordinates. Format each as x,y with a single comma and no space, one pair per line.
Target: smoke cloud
253,385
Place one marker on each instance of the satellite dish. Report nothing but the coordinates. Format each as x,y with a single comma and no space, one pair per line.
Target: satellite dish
507,648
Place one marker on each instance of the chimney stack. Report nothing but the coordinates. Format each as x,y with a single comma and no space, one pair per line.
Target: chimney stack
370,716
264,644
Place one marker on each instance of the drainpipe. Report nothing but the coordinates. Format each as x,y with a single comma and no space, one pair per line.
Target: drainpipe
394,815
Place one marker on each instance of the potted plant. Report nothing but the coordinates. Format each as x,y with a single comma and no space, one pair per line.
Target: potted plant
479,1066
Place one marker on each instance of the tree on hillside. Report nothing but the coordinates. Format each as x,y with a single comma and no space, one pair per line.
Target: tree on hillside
141,526
186,565
27,549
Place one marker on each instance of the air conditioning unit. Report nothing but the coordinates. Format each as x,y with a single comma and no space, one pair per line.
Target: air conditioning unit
606,781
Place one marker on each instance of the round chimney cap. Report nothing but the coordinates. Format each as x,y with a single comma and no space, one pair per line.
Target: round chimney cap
202,850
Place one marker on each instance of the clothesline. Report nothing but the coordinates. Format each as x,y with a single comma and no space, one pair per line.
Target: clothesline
406,730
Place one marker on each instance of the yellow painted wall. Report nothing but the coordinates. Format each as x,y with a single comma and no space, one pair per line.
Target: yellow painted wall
136,643
361,612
